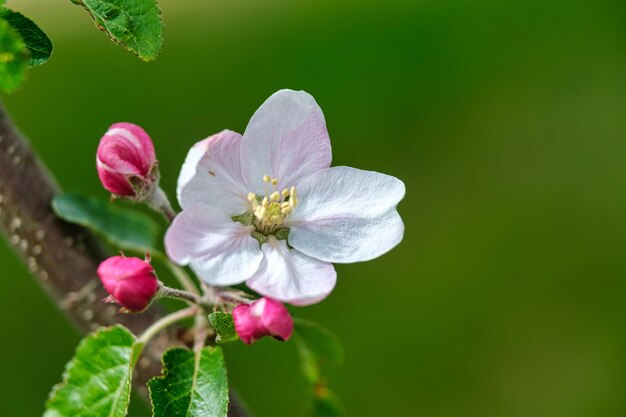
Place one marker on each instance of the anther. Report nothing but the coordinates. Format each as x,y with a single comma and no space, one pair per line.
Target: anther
266,178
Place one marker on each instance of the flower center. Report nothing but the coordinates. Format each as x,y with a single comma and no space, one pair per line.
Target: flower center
271,210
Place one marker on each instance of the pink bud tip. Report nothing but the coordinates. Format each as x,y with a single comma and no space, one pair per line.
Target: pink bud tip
130,281
125,152
264,317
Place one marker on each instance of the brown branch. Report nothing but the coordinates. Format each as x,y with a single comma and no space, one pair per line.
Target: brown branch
64,257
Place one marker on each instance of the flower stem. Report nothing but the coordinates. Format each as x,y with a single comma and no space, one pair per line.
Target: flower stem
182,277
232,298
218,295
168,292
166,321
158,201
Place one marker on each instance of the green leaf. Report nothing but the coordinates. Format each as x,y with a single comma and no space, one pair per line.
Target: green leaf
14,58
33,37
193,384
97,381
124,228
325,404
224,327
317,346
134,24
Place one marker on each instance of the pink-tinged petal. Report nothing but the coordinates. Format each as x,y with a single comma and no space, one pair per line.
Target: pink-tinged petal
274,317
130,281
128,149
113,182
291,276
211,174
125,151
136,133
219,250
347,215
245,324
264,317
285,139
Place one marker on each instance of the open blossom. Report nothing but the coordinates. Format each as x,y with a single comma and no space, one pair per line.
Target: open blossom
266,209
131,282
125,161
264,317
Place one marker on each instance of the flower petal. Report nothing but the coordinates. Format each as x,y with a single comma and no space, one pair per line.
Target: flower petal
211,174
347,215
290,276
285,139
220,251
127,149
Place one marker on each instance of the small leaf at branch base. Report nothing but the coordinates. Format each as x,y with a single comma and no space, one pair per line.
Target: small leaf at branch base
317,346
14,58
135,24
193,384
325,404
97,381
224,327
124,228
33,37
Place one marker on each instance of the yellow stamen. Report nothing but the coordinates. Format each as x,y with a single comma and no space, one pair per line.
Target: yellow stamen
274,208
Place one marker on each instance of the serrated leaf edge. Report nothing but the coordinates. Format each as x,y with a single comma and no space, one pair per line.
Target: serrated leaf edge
70,365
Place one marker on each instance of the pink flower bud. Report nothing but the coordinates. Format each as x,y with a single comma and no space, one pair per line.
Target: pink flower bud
125,161
264,317
131,281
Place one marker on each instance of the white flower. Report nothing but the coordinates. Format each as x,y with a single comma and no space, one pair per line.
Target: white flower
265,208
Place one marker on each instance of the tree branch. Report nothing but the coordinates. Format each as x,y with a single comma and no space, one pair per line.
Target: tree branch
64,257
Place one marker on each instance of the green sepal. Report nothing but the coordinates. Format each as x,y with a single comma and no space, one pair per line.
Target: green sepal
245,218
282,233
224,327
260,237
122,227
194,384
134,24
35,39
97,381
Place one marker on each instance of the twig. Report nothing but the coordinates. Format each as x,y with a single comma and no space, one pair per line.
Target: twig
64,257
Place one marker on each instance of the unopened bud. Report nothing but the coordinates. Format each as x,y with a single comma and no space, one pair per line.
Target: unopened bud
264,317
131,282
126,161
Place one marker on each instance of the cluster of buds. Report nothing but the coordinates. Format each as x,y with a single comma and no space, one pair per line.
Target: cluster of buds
126,162
271,210
127,167
263,317
132,283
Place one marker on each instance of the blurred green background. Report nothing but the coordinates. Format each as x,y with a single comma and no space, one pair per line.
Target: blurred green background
505,119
